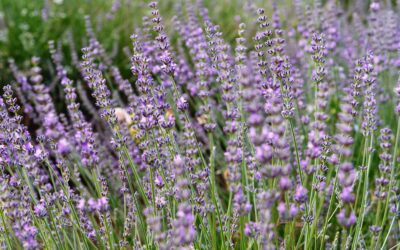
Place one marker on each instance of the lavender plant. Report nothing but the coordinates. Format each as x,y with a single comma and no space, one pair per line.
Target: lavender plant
280,131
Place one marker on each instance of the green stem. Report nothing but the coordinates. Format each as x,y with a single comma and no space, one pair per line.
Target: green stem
5,228
329,211
360,219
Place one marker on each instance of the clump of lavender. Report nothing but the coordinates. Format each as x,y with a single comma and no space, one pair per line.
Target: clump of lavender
275,137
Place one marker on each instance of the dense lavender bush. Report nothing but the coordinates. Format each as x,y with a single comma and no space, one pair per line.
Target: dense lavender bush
286,137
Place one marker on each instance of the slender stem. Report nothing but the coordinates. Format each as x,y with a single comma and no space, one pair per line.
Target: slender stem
388,233
5,228
329,211
364,196
297,153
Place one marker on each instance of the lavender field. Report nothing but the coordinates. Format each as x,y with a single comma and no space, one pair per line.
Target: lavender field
199,124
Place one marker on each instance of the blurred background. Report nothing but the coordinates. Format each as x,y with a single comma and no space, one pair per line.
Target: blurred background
26,26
